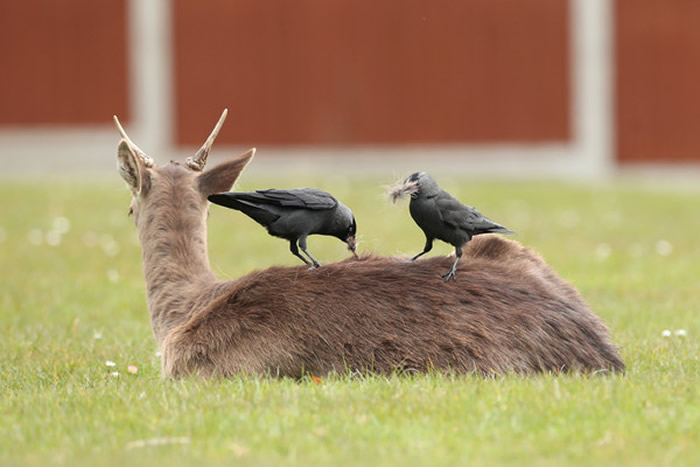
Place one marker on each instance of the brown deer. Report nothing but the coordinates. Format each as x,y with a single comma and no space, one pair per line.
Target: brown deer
509,312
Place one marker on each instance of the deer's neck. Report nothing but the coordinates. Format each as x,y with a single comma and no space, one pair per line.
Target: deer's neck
176,267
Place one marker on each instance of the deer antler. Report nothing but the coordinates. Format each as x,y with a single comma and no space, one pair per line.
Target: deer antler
198,161
147,161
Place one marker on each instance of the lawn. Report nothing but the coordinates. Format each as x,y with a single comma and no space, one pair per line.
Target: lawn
72,299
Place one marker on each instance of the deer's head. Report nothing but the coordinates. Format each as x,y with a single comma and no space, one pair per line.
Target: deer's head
175,186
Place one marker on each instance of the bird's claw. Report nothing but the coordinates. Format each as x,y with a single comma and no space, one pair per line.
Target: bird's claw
450,274
314,266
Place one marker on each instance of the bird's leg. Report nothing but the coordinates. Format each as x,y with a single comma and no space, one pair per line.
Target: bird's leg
427,248
302,244
295,251
451,272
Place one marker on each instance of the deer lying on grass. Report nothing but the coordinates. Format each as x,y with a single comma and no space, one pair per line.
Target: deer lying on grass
509,312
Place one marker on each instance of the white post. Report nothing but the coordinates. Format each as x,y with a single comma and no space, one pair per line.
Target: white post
592,87
150,63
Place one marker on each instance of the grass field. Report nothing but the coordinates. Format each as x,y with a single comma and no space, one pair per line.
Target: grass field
72,298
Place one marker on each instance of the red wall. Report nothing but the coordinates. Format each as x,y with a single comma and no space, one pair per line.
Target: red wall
658,80
63,62
372,71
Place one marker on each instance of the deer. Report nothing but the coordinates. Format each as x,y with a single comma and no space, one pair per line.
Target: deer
509,313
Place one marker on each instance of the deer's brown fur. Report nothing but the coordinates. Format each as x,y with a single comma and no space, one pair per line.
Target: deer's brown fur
507,312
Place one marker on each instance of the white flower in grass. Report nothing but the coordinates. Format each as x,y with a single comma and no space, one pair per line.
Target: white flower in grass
112,249
97,335
681,332
113,275
109,245
142,443
602,251
114,373
110,363
158,353
54,238
61,225
666,332
664,247
35,237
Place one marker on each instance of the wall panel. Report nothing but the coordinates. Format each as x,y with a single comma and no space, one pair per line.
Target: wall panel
63,62
658,80
373,71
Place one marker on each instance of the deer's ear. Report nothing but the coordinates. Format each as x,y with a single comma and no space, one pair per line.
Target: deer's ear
130,167
222,177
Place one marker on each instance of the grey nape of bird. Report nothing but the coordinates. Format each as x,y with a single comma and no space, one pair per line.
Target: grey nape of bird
294,215
441,216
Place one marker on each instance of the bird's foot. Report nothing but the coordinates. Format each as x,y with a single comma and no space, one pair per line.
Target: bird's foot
314,266
449,275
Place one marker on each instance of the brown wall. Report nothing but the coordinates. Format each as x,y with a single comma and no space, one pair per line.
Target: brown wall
372,71
63,62
658,80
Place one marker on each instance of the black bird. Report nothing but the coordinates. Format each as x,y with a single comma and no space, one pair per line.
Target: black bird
295,214
443,217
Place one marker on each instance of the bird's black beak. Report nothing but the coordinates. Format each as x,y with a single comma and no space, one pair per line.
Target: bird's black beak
352,245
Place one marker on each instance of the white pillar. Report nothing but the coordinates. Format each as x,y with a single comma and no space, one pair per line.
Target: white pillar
150,66
592,85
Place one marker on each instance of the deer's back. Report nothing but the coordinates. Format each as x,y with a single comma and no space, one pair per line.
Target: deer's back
506,312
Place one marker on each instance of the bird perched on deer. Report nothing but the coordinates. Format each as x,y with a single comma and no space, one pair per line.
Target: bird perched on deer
294,215
441,216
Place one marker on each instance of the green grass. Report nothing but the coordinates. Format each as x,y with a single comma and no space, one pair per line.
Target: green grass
65,309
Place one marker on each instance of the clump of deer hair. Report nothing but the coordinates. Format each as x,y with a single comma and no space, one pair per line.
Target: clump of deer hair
400,190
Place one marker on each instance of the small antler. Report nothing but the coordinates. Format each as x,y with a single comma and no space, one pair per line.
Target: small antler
147,161
198,161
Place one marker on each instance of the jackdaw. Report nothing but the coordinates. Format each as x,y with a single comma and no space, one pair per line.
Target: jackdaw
295,214
441,216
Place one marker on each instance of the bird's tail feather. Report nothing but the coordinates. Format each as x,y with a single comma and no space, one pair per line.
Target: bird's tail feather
258,214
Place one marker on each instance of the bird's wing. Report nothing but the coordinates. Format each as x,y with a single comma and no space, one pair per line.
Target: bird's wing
305,198
458,215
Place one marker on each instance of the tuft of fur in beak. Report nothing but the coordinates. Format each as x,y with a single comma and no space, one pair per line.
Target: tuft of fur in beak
401,189
352,245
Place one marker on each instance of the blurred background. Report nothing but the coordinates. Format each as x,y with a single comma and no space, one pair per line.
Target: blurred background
534,111
563,88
